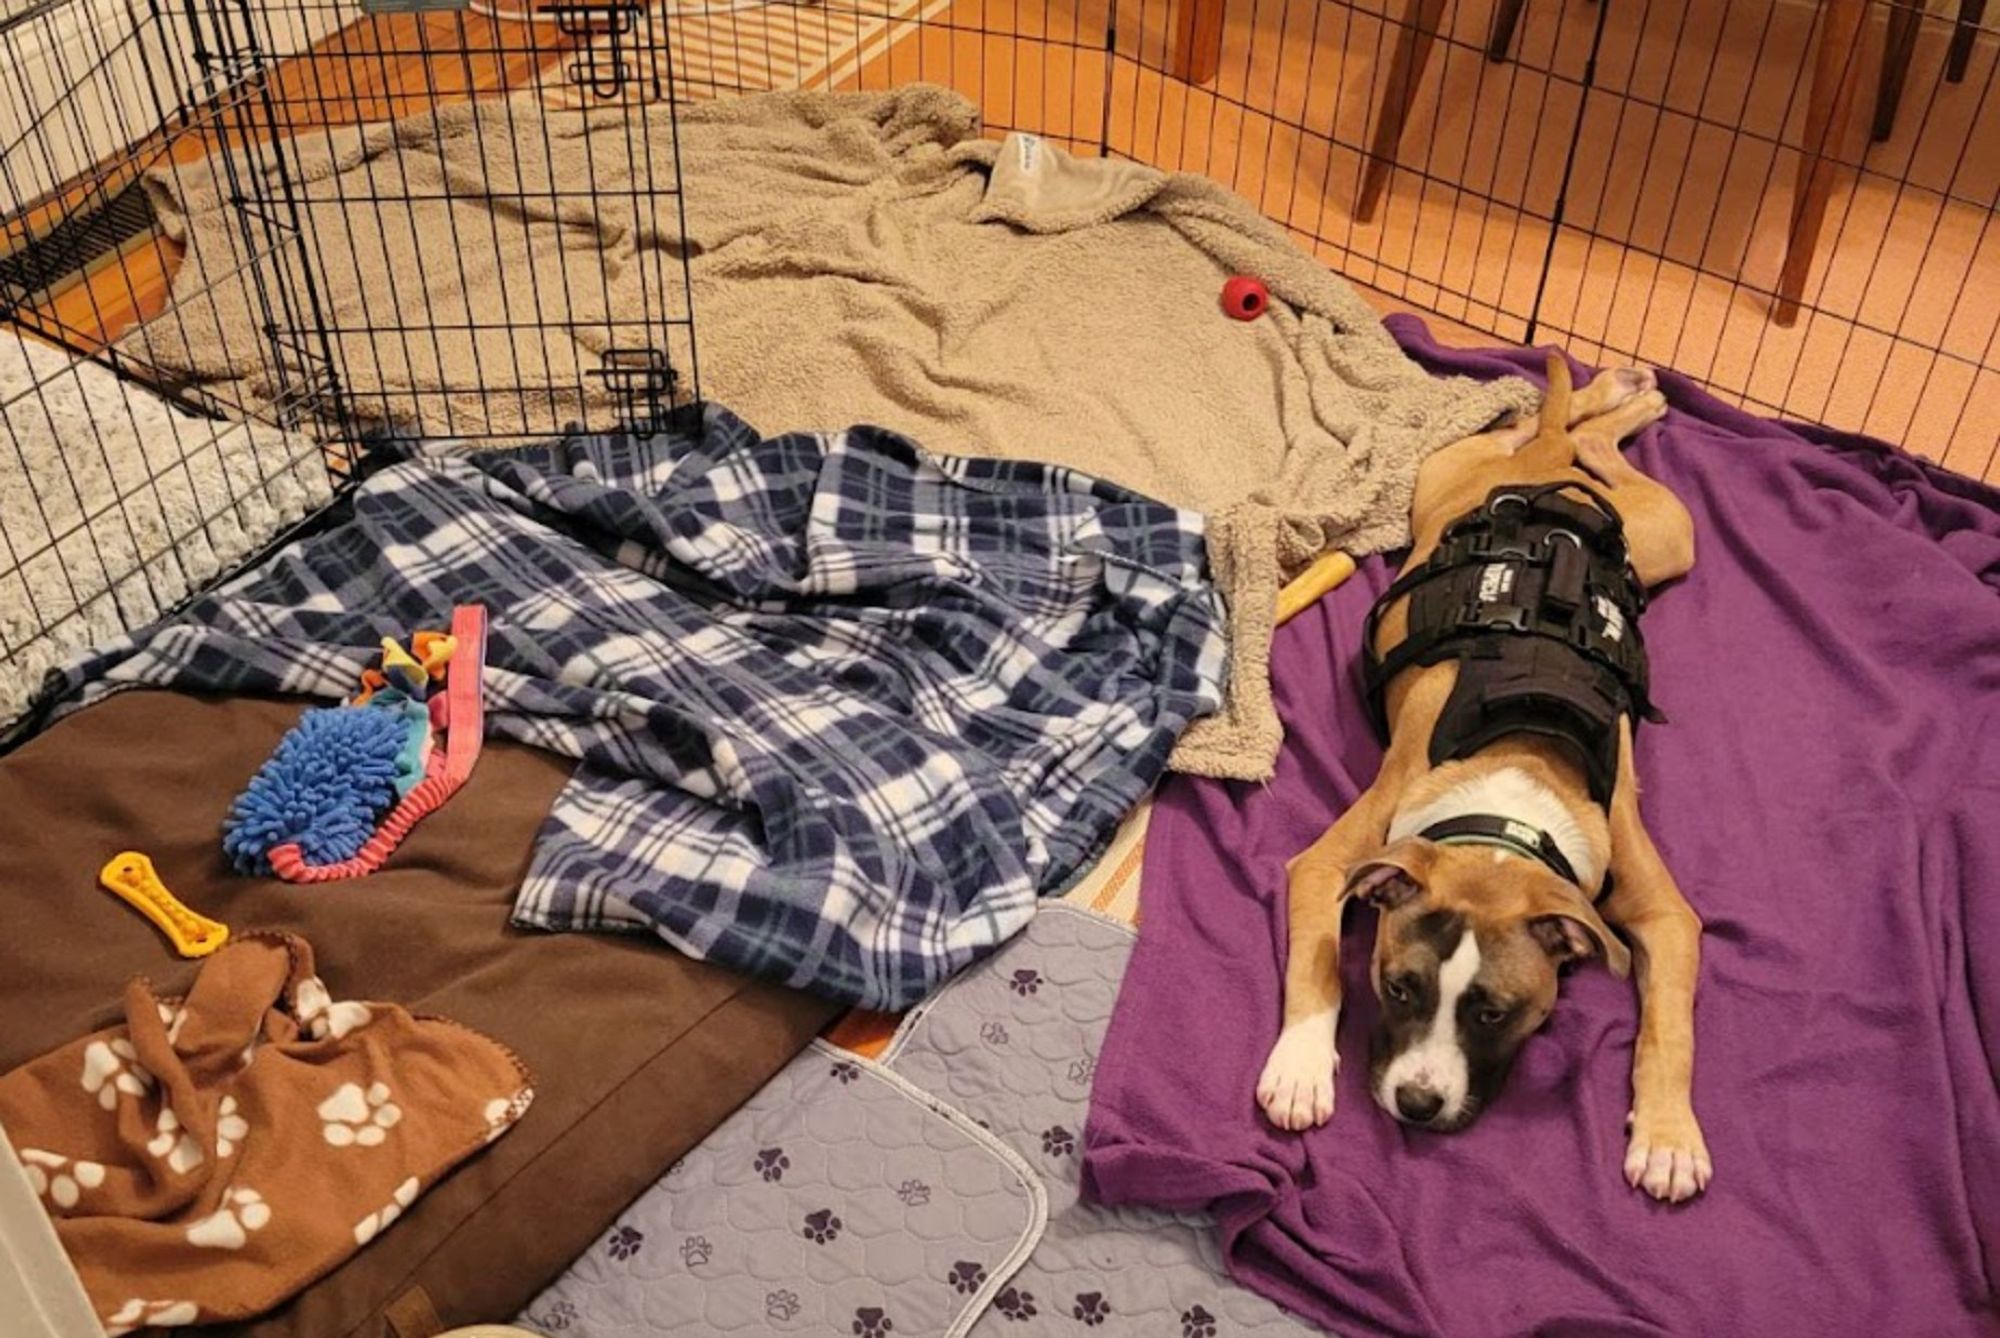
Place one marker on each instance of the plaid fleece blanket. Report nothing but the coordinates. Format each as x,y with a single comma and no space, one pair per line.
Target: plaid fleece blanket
842,710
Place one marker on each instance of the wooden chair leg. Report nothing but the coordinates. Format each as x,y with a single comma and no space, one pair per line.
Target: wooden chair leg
1414,39
1197,55
1970,12
1898,45
1835,74
1506,19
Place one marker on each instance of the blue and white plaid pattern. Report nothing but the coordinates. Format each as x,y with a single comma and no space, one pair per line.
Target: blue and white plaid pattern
842,710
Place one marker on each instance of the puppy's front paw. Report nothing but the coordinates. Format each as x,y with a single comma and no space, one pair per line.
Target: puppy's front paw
1296,1088
1666,1155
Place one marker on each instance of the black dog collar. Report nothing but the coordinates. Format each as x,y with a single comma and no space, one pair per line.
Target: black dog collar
1486,829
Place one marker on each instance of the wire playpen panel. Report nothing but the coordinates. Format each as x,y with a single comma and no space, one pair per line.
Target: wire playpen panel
1791,201
122,489
480,318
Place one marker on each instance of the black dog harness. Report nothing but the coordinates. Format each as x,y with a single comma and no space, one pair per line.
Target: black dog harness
1535,597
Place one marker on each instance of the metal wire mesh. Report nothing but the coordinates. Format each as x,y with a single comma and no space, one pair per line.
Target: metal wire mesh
1791,201
116,505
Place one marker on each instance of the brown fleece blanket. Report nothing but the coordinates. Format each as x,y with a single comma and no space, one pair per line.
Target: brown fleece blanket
209,1156
637,1052
856,258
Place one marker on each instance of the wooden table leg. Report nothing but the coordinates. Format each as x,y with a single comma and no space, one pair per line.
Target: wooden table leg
1414,38
1835,74
1898,45
1197,54
1506,18
1970,12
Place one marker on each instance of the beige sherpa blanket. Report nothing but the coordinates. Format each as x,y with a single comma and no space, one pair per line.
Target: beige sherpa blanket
868,258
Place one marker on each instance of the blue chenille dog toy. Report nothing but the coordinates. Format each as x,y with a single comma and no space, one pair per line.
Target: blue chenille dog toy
326,787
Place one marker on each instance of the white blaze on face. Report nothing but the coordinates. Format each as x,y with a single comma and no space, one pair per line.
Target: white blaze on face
1437,1061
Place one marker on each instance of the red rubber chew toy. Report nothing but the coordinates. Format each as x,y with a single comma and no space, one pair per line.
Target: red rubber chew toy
1245,298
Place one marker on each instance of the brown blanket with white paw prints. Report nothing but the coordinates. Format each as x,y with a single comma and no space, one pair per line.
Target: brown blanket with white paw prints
213,1155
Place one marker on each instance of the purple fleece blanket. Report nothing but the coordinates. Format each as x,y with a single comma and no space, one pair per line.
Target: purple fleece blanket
1828,792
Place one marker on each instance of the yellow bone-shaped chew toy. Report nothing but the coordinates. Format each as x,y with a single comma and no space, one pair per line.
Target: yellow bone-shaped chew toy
131,877
1309,586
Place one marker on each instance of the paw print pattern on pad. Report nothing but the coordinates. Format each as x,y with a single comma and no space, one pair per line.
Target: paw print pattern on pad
1091,1308
822,1227
557,1318
624,1242
845,1071
1016,1305
965,1277
696,1251
1025,982
112,1067
1058,1141
228,1227
378,1221
1197,1323
772,1163
57,1178
354,1117
782,1305
913,1193
870,1322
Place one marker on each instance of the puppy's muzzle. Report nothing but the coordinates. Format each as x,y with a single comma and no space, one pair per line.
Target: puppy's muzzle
1418,1104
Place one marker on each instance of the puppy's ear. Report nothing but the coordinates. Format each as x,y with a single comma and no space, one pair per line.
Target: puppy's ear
1571,931
1393,878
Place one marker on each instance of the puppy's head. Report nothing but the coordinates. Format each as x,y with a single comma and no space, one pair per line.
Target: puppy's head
1467,952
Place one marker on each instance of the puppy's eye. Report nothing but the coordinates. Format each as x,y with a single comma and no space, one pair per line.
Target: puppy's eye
1491,1017
1398,990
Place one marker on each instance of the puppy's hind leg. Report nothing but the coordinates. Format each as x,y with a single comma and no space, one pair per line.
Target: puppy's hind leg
1606,391
1609,390
1600,437
1657,524
1551,450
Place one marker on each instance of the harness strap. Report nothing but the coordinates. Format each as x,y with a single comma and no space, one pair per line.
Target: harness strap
1468,542
1487,829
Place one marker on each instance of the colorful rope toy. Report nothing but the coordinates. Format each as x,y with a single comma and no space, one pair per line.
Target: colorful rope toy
347,783
1245,298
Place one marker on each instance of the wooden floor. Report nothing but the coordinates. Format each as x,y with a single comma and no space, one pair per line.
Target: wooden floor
1675,213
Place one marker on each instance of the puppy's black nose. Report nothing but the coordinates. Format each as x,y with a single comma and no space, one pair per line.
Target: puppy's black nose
1419,1105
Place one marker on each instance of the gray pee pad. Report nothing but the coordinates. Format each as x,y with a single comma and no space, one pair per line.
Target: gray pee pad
929,1196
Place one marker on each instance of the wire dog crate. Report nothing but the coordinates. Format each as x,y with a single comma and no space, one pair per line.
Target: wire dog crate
1792,201
117,502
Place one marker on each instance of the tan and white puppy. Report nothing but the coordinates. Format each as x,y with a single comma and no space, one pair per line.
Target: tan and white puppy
1471,937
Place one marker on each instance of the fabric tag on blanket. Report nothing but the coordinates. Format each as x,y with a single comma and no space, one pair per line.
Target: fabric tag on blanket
212,1155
